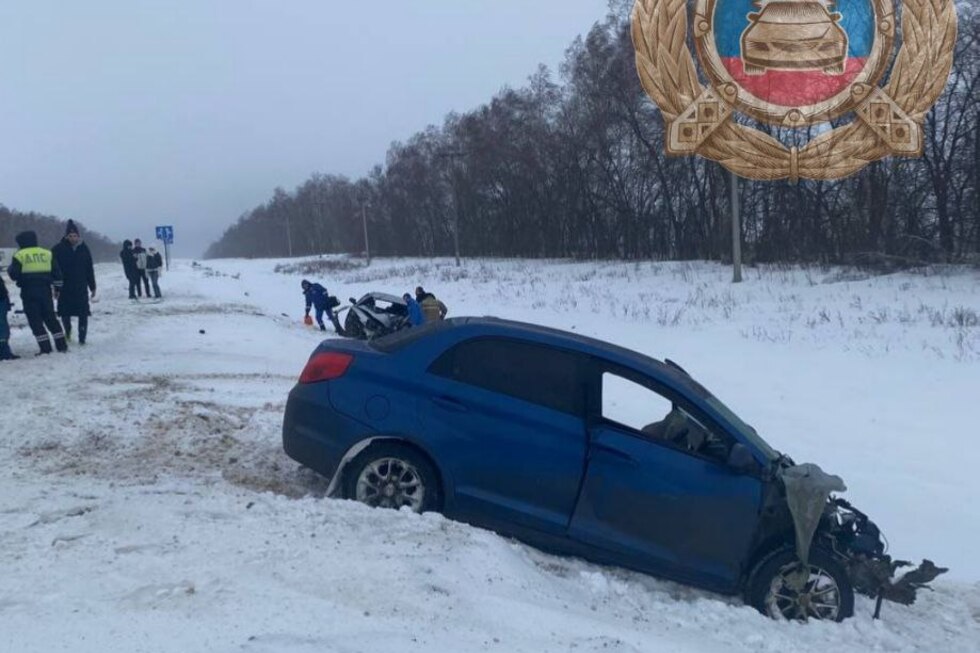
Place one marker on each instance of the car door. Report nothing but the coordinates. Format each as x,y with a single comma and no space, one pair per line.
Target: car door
657,491
507,417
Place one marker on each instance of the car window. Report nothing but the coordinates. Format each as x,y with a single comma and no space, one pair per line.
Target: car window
643,409
631,404
535,373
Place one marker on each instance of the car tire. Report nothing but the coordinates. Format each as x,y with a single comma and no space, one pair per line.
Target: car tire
828,593
393,475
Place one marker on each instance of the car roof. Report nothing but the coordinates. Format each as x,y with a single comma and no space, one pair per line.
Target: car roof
385,297
494,326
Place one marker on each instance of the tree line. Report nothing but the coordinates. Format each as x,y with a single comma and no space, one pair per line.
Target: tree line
576,168
50,230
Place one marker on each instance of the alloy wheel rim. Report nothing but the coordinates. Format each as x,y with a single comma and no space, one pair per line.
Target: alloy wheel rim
819,598
390,483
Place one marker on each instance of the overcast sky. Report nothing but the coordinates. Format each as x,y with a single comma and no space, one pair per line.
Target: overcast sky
125,114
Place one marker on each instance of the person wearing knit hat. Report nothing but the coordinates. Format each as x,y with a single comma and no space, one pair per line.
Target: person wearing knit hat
78,272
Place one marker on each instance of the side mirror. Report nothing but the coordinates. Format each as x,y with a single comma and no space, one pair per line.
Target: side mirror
740,458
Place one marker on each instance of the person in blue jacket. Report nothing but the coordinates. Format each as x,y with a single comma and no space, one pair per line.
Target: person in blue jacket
318,298
415,316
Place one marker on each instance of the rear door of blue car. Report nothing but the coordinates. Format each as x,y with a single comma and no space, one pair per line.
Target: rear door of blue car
658,492
507,419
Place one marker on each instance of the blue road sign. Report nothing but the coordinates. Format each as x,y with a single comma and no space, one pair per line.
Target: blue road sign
166,234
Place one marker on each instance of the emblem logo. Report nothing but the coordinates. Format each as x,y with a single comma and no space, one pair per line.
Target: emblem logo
794,63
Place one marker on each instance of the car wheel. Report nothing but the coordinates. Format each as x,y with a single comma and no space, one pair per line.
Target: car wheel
391,475
826,593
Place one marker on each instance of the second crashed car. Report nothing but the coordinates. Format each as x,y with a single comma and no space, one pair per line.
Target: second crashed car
585,448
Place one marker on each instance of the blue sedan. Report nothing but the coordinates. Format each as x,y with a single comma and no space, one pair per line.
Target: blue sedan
576,446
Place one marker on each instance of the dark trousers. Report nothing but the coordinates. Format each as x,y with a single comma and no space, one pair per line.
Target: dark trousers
154,276
82,327
141,276
134,285
320,310
4,325
40,314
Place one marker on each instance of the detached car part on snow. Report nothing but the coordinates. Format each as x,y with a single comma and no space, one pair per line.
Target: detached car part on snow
507,426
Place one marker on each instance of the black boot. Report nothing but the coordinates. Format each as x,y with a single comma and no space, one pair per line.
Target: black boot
45,345
60,343
5,353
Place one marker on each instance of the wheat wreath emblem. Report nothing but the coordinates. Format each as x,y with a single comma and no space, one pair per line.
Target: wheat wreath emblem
700,119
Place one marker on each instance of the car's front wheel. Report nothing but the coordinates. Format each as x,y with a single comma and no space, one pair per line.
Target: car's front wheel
393,475
781,589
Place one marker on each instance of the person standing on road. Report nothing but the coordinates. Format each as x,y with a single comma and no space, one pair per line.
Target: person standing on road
75,261
154,268
5,306
129,267
36,272
317,297
432,308
140,255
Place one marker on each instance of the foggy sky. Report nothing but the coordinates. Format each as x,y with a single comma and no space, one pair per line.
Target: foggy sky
125,114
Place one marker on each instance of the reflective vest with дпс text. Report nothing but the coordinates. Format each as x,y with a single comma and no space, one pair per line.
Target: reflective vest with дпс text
34,260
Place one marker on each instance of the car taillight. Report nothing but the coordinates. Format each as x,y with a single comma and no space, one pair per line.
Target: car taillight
325,366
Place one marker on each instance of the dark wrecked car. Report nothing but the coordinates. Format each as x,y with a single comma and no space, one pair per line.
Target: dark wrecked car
374,315
584,448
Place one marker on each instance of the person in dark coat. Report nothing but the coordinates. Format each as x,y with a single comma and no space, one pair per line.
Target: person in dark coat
75,261
129,267
317,297
140,255
5,306
154,267
36,272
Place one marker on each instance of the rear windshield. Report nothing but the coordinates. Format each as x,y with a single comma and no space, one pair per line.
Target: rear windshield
401,339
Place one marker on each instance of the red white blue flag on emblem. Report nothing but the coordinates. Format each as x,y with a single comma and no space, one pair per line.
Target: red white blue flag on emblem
794,53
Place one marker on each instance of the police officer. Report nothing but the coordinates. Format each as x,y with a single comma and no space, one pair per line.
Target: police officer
36,272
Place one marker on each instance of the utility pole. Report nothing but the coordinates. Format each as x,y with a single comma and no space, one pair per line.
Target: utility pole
367,245
453,156
736,233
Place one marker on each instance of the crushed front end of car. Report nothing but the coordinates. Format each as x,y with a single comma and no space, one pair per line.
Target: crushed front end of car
850,534
822,520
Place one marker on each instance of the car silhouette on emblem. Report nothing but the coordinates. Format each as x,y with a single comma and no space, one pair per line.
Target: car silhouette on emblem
794,35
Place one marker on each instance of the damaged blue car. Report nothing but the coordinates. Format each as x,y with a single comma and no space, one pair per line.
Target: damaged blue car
583,448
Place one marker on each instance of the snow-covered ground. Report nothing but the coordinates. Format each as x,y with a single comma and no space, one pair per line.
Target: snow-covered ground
146,505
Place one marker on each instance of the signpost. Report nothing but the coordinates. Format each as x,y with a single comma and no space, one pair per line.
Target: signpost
166,234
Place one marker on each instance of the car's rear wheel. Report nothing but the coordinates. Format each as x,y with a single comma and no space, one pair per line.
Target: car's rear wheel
776,588
393,475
